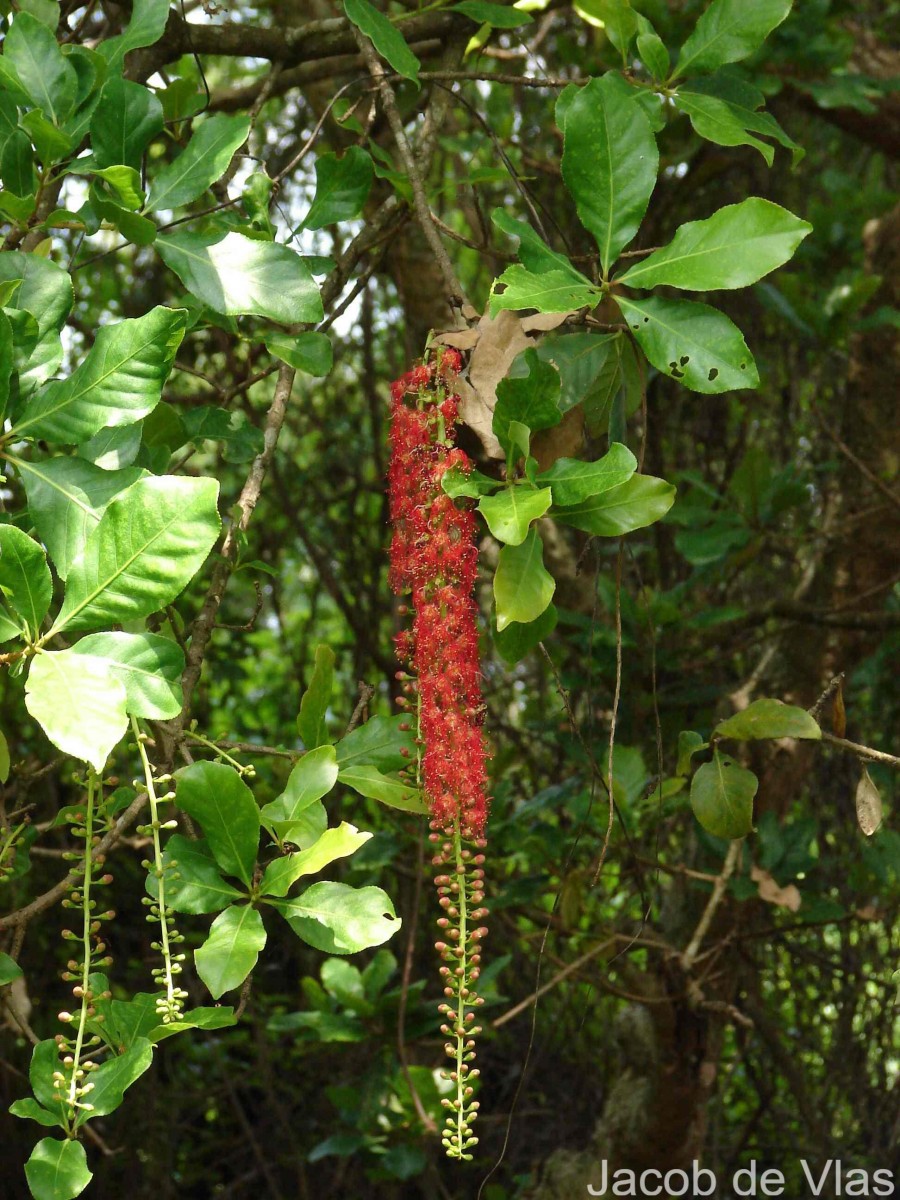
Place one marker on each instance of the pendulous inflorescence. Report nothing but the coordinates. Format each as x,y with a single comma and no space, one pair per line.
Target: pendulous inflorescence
434,558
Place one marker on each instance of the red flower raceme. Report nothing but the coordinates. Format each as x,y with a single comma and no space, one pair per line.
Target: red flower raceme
434,557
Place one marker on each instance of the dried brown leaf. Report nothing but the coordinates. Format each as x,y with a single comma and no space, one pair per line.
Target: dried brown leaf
838,714
869,809
784,897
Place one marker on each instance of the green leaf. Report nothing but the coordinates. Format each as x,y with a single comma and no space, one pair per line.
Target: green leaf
517,640
742,100
339,919
310,352
690,342
733,248
632,505
497,15
44,1061
297,816
719,122
369,781
510,512
380,742
728,31
333,844
46,293
149,666
216,796
113,448
230,952
126,118
112,1079
311,723
722,797
135,228
17,170
457,483
242,440
616,16
147,25
385,37
9,968
522,586
204,160
57,1170
30,1110
689,744
220,1017
118,382
124,182
45,11
33,53
51,145
549,291
149,544
78,702
342,187
769,719
66,499
24,576
236,275
194,884
531,399
654,55
609,162
573,480
534,252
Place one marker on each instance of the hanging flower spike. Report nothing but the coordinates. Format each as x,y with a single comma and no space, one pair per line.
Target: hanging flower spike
434,558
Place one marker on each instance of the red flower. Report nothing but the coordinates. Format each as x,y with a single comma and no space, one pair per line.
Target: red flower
433,556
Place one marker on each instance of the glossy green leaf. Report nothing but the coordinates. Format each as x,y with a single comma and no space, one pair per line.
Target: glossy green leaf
509,512
336,843
522,586
728,31
617,18
549,291
51,144
194,884
112,1079
24,576
689,744
310,352
149,666
57,1170
531,399
296,815
131,225
204,160
119,381
457,483
733,248
242,441
380,742
216,796
126,118
236,274
17,171
149,544
45,11
574,480
743,106
609,162
339,919
517,640
9,968
78,702
147,25
44,1061
46,293
311,722
717,121
722,797
769,719
113,448
690,342
342,187
230,952
29,1109
534,252
66,499
41,67
497,15
385,37
369,781
654,55
620,510
222,1016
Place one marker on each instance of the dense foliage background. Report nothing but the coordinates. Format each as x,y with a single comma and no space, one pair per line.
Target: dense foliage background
774,1037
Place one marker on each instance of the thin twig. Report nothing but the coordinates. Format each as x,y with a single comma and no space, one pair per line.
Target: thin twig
693,947
573,966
